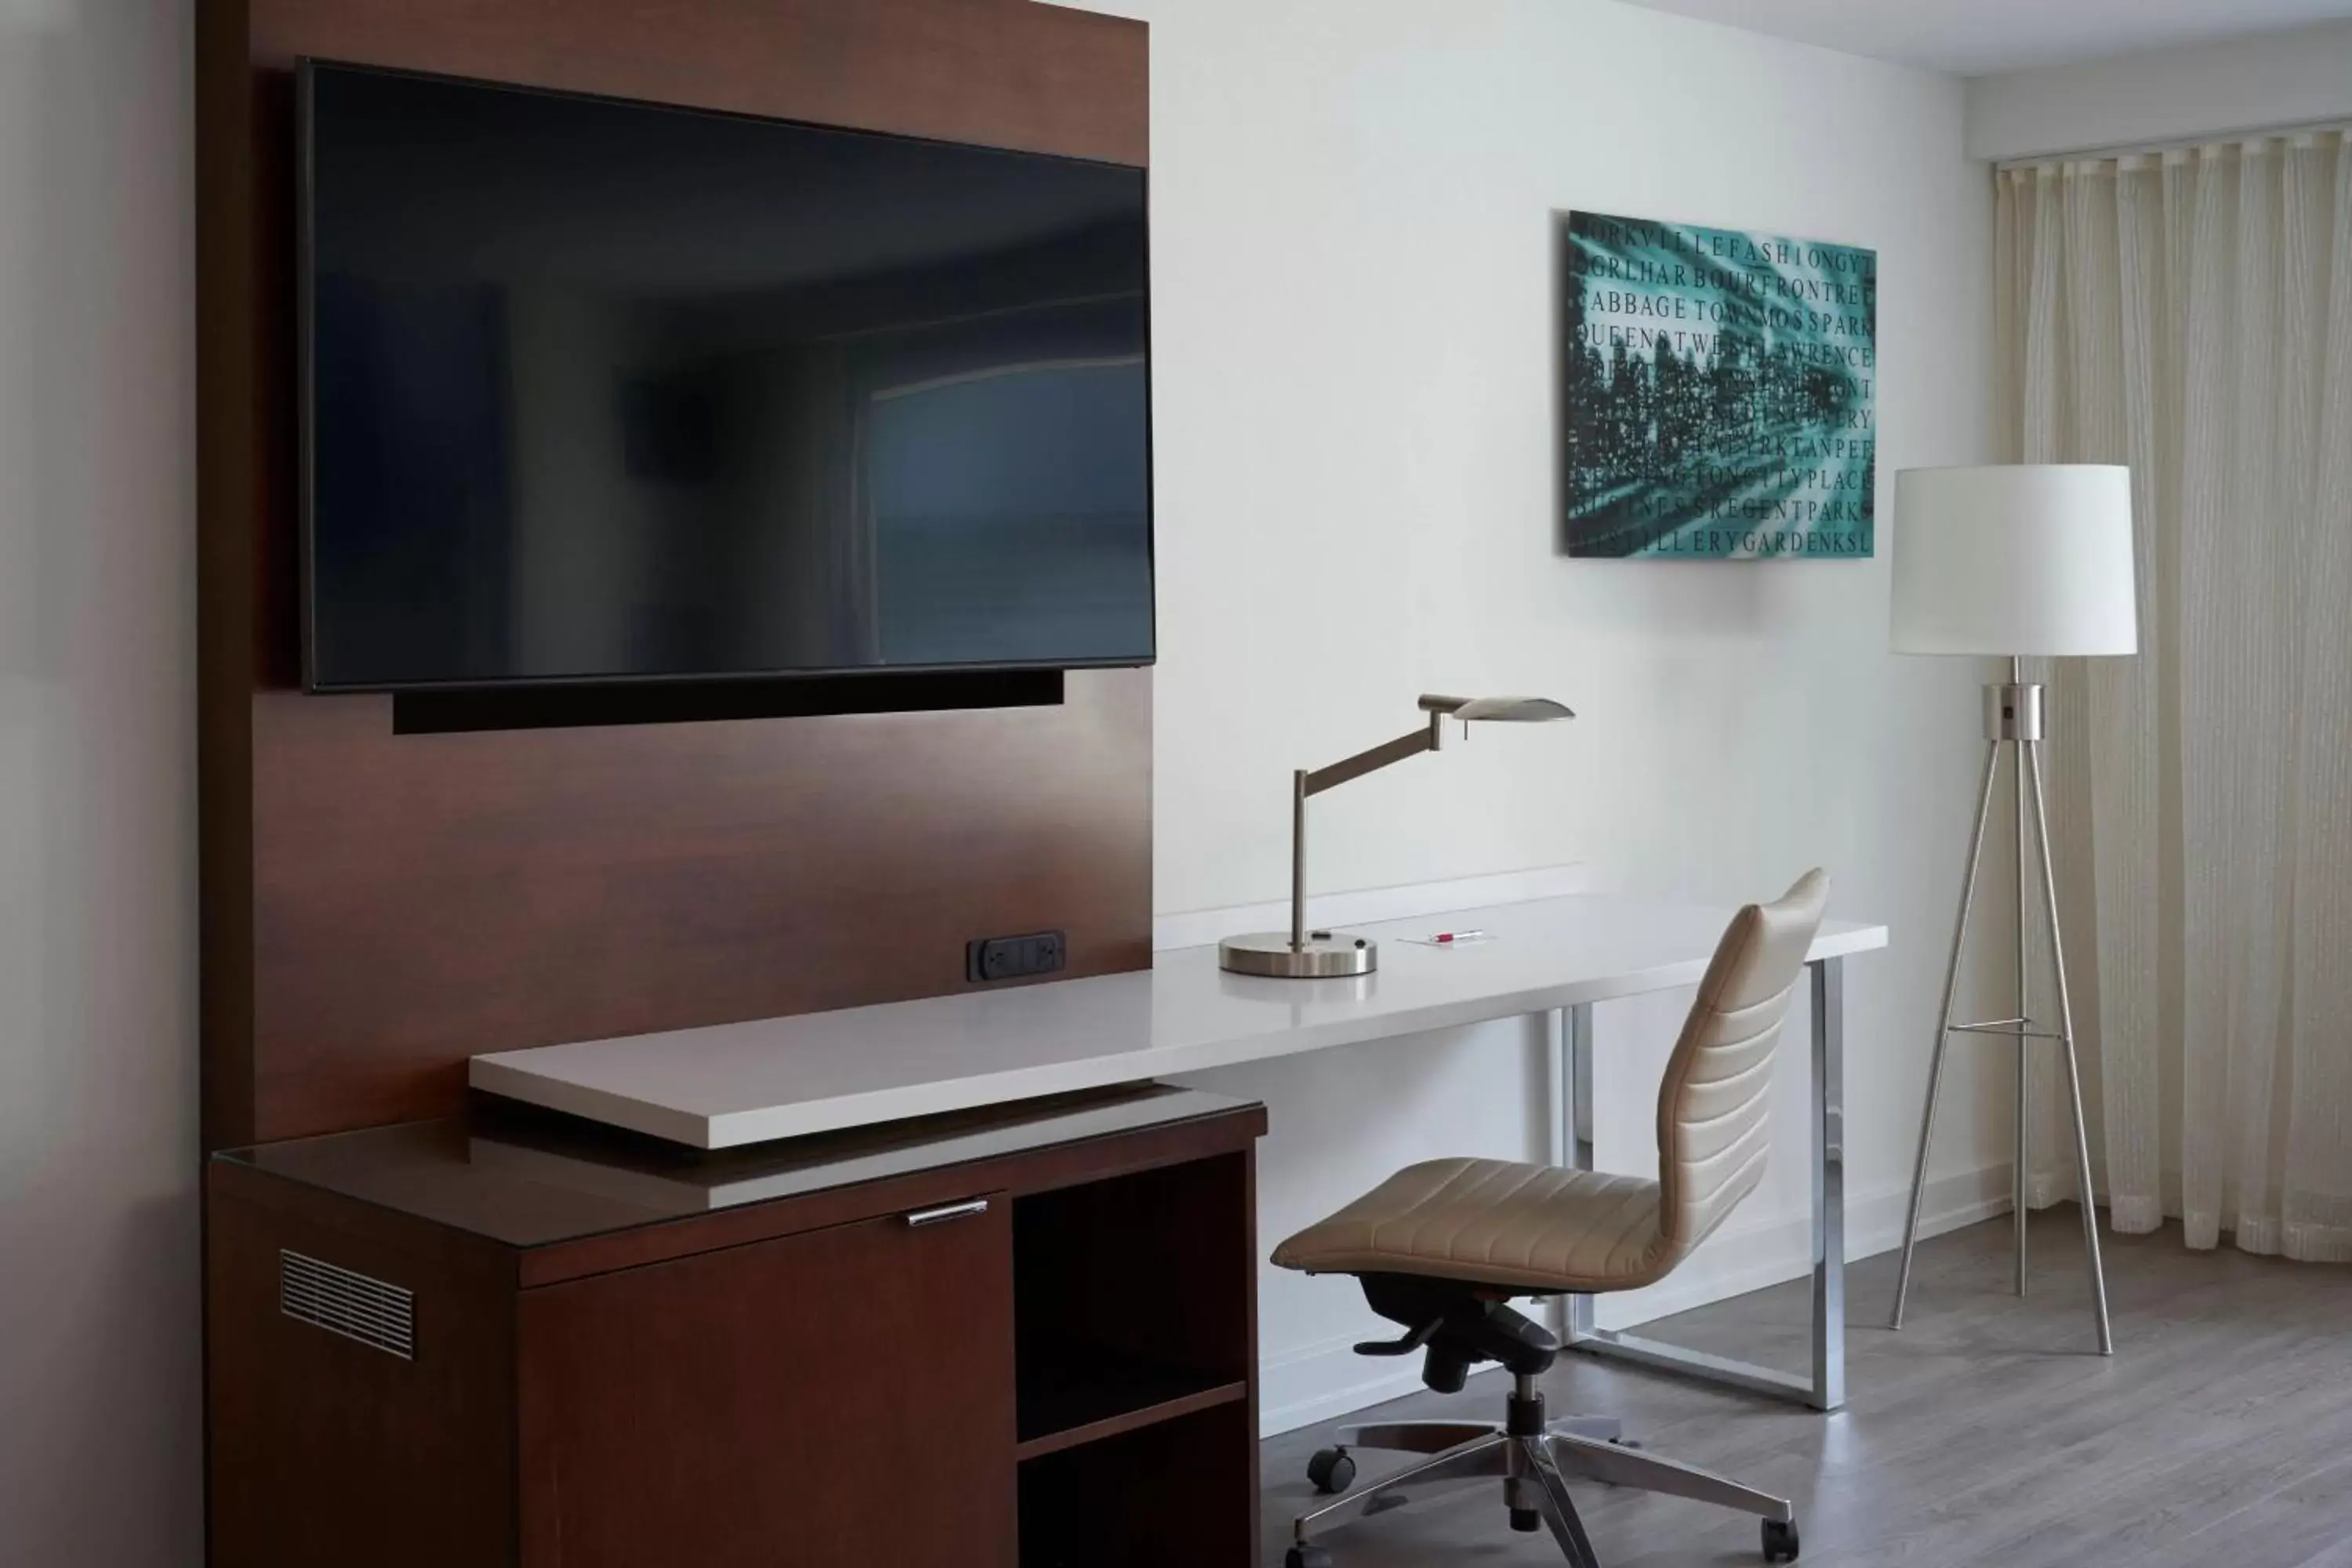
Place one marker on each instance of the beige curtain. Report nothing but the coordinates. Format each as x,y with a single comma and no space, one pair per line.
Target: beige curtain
2190,314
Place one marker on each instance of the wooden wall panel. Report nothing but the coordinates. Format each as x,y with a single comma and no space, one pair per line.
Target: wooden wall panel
421,898
228,470
1009,73
377,908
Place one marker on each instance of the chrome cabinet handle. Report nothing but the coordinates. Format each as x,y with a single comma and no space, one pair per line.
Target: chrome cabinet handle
947,1212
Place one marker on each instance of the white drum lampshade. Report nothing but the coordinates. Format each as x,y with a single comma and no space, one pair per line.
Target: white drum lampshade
2032,558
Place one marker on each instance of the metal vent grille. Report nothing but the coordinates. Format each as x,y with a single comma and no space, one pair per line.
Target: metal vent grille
348,1304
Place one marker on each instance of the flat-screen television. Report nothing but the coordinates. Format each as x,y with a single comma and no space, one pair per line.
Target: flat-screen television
599,391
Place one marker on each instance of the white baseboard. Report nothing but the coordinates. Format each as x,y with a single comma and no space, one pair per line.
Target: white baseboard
1318,1382
1198,928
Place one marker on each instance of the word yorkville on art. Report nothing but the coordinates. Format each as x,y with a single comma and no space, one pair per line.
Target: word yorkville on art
1720,397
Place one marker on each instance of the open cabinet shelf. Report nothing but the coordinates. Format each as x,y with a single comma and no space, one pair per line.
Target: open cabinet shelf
1073,1392
1135,1331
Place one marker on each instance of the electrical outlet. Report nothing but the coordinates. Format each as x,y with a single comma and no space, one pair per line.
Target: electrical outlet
1010,957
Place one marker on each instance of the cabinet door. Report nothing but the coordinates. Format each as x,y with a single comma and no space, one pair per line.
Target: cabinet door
843,1396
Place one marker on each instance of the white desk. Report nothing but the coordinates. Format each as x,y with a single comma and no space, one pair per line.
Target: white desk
782,1077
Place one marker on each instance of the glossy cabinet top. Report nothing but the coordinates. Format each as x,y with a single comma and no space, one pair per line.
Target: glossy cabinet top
527,1179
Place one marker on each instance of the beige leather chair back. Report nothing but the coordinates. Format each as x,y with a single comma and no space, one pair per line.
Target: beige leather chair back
1712,1132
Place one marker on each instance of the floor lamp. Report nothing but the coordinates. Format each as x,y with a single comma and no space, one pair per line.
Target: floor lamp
2031,559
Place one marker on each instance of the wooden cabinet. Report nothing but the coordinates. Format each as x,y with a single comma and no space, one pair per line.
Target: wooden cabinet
711,1409
1020,1339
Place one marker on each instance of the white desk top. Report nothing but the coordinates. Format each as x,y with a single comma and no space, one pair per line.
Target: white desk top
784,1078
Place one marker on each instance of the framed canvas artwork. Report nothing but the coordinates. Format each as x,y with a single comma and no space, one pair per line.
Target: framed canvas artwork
1719,393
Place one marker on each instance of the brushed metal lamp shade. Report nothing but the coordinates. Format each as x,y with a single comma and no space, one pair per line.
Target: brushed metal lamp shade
1504,710
1301,955
2028,558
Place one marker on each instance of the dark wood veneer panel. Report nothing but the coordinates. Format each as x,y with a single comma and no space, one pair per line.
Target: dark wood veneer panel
836,1398
1099,1394
1044,1170
322,1449
377,908
228,387
840,1395
1008,73
423,898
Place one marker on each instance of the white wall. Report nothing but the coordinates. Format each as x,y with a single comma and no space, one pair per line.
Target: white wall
1353,335
98,1452
2302,76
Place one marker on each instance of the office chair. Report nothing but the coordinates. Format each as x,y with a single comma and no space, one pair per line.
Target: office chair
1440,1247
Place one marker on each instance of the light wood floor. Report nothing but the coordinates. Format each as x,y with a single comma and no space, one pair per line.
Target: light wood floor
1985,1432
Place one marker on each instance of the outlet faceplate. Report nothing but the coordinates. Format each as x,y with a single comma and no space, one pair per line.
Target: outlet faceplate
1011,957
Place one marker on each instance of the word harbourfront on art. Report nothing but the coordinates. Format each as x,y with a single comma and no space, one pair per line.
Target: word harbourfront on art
1719,395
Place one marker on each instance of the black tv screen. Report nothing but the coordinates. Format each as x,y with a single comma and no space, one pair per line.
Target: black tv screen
603,391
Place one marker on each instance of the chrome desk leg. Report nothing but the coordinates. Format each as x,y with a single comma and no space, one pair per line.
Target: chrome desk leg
1829,1182
1571,1136
1823,1387
1580,1080
1561,1114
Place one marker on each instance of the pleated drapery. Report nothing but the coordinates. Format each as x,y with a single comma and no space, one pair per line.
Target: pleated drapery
2190,314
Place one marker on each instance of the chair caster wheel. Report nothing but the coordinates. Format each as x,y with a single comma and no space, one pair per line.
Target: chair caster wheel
1779,1541
1306,1557
1331,1470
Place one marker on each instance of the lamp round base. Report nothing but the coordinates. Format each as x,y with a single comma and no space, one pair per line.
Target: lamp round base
1324,956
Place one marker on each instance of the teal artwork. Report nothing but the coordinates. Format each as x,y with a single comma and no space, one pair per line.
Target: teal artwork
1718,398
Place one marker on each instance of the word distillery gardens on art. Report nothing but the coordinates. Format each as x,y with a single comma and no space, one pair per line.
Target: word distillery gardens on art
1718,396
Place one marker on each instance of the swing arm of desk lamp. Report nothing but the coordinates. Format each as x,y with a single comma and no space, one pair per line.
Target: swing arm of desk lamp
1303,955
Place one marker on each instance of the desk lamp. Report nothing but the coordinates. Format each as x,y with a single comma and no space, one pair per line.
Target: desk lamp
1301,955
2026,559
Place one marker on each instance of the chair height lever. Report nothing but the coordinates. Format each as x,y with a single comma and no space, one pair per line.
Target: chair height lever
1405,1346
